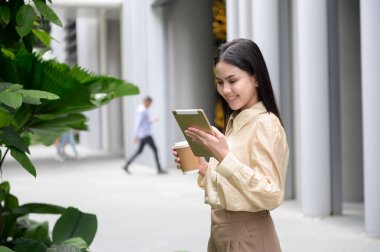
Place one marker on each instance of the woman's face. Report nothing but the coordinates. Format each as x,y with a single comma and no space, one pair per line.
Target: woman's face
236,86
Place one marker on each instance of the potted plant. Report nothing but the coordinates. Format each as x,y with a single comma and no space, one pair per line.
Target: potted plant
39,100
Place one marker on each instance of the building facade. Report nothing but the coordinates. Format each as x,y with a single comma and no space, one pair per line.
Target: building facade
323,58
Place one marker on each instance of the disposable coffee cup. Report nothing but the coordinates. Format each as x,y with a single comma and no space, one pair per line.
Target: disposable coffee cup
188,162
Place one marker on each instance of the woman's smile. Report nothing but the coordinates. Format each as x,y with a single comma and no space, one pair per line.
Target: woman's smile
236,86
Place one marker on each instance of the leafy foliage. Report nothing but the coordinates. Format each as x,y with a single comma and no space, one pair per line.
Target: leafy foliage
39,100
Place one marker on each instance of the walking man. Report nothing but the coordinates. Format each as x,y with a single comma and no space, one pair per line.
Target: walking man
143,134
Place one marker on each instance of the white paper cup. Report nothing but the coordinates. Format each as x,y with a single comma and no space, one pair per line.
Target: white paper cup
188,162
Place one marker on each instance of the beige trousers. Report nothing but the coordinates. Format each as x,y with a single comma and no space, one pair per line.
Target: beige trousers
242,232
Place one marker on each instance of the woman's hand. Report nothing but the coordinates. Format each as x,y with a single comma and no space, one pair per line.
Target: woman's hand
176,158
203,165
215,143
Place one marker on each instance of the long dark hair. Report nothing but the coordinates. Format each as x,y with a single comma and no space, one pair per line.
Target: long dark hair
246,55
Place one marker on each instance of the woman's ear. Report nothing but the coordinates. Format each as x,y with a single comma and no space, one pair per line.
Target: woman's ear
255,82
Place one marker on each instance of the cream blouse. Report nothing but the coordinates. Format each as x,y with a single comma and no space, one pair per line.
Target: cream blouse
252,175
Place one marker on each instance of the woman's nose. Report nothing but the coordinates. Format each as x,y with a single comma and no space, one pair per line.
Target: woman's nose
226,89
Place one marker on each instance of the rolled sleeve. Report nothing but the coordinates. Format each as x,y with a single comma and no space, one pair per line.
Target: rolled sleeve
201,181
228,165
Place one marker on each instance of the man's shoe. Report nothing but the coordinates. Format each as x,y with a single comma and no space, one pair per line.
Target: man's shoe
126,169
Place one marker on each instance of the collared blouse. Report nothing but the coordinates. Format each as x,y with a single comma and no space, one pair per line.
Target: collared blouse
252,175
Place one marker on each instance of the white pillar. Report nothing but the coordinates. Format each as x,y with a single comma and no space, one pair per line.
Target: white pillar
351,112
245,19
286,82
265,15
58,44
87,24
143,64
104,110
232,13
114,122
313,106
370,51
190,79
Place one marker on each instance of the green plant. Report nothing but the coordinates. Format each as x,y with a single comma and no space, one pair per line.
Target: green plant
39,100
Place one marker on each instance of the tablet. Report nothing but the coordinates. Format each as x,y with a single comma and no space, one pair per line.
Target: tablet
193,118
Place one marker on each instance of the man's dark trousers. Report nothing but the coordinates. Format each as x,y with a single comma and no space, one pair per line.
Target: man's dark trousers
146,140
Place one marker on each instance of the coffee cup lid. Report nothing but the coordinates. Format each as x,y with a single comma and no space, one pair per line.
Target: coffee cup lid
181,144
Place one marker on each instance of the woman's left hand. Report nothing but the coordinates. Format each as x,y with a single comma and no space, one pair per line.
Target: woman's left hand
215,143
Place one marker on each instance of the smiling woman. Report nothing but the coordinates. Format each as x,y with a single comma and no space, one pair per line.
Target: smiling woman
236,86
245,178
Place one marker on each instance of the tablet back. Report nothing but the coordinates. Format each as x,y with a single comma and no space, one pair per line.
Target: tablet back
193,118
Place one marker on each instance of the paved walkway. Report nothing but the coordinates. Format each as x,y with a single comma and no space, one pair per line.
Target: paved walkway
145,212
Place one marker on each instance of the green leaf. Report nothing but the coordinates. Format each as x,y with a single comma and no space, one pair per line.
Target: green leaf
38,231
77,242
5,187
11,99
28,245
47,12
8,53
11,201
10,137
126,89
5,15
31,100
14,87
38,94
5,118
24,161
66,121
63,248
24,19
23,114
46,137
5,249
74,223
43,36
39,208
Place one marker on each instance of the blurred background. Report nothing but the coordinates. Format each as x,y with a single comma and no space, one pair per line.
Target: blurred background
323,58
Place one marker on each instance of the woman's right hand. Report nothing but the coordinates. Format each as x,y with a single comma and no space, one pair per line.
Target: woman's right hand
203,164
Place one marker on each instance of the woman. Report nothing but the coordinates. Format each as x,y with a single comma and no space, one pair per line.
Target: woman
245,178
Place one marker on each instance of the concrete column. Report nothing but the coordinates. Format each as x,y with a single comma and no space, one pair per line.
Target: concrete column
114,120
245,19
286,82
232,12
335,108
88,57
143,63
58,45
129,18
190,58
312,101
266,35
370,41
350,90
104,110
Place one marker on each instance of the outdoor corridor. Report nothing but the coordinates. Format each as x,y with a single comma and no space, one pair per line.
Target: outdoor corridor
146,212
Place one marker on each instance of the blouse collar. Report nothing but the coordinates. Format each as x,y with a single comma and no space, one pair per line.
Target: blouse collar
239,119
